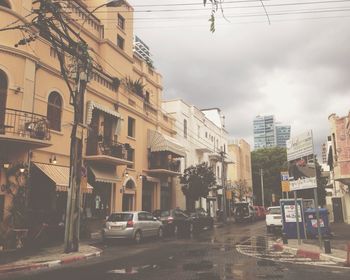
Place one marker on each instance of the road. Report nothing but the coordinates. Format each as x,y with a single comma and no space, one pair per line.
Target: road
214,254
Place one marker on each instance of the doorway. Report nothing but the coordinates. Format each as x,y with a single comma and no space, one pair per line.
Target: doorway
128,200
337,210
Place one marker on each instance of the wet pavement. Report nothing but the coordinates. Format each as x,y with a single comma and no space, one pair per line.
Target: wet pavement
231,252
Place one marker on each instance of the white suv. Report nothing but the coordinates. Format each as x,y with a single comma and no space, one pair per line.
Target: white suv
273,218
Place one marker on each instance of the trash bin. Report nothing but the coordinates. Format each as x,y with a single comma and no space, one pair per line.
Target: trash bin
311,222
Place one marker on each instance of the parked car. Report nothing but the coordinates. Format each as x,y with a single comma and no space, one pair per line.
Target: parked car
243,212
260,212
132,225
175,221
273,218
200,219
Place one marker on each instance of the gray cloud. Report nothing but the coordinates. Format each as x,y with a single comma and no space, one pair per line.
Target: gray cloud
296,70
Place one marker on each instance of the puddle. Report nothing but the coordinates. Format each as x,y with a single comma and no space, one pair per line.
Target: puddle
207,276
265,263
196,253
133,269
202,265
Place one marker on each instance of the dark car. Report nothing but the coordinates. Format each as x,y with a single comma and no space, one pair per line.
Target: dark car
175,221
243,212
200,219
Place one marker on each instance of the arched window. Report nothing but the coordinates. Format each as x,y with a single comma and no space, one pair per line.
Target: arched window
6,4
3,97
54,111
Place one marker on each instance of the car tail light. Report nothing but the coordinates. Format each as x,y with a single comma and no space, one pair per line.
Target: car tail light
130,224
170,220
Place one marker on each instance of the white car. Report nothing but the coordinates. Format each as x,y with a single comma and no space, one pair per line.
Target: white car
273,218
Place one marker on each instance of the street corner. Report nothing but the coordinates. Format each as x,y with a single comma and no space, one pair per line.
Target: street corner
35,263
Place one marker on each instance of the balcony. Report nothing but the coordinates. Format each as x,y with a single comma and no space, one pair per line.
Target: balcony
107,151
24,129
161,164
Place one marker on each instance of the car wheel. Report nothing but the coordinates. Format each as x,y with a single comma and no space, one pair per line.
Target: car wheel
160,233
138,237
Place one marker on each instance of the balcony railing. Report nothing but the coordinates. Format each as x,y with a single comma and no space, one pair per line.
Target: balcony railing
107,148
172,165
24,124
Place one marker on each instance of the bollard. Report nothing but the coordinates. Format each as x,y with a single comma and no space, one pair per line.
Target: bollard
284,238
327,246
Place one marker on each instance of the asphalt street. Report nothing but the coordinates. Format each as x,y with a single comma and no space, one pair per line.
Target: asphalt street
230,252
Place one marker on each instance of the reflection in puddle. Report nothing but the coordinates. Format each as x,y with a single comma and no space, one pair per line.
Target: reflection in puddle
133,269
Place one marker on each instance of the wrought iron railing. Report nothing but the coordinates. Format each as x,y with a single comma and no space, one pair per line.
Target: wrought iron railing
107,148
24,124
172,165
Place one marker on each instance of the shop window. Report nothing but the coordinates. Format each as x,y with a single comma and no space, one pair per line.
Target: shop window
131,127
2,207
54,111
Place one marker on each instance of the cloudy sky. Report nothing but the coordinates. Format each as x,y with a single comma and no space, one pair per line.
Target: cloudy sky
296,68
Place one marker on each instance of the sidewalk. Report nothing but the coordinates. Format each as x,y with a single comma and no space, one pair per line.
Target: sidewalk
45,258
310,248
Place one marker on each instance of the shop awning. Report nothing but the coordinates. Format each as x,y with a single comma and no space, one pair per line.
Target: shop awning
104,174
93,105
159,142
60,176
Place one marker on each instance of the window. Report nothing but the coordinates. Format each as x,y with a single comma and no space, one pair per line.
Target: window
5,4
120,42
131,127
206,134
54,111
185,128
53,52
131,157
3,96
199,131
121,22
147,96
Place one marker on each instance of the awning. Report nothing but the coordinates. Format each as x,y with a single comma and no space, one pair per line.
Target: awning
60,176
104,174
91,105
159,142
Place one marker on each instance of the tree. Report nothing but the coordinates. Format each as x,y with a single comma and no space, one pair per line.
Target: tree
240,189
197,181
272,161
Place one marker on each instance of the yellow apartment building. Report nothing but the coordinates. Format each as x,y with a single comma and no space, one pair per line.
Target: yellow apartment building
131,160
240,172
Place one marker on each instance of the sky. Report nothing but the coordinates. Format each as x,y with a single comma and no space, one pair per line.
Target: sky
296,68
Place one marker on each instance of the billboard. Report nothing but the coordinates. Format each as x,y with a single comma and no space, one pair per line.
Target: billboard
300,146
301,162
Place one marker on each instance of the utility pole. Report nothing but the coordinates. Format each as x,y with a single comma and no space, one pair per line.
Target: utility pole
262,187
223,181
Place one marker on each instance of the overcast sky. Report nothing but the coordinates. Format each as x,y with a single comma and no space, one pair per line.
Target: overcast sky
296,68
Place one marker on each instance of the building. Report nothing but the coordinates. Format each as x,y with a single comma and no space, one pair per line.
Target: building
130,154
239,172
339,162
282,135
203,134
264,132
268,133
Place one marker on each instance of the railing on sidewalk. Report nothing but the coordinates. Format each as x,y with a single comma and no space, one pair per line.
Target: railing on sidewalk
24,124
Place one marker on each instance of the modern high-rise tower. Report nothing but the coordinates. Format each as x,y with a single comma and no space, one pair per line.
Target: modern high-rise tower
268,133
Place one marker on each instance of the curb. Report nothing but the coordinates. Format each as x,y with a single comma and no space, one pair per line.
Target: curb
303,253
34,266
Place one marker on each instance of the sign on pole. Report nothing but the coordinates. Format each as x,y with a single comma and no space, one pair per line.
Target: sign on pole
300,146
285,181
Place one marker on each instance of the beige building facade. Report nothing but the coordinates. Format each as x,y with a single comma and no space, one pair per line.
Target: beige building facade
239,172
130,154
